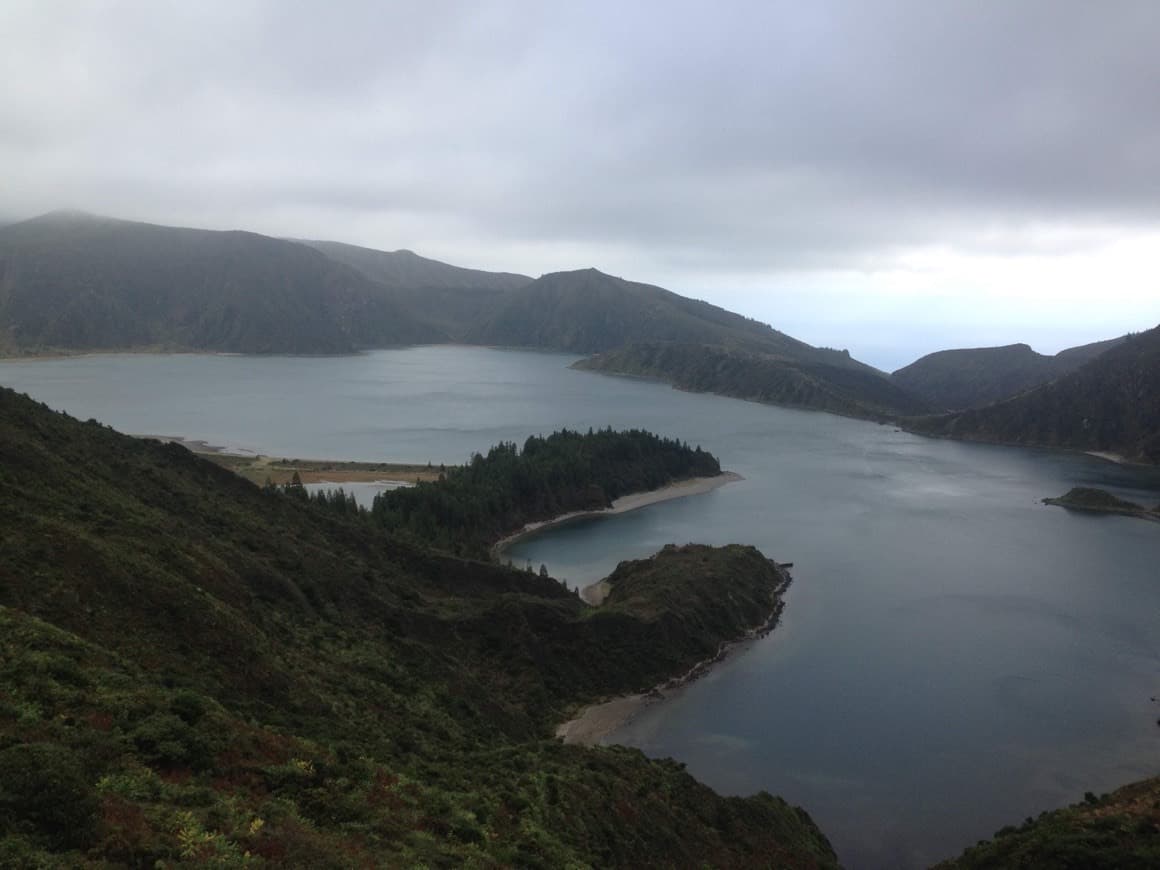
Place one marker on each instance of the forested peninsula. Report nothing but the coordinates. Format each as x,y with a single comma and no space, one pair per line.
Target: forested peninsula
470,507
1098,501
198,670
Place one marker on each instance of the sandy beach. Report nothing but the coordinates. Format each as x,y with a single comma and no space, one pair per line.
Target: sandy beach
1110,457
597,721
624,504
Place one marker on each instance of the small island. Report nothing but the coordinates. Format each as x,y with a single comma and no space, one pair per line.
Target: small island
1092,500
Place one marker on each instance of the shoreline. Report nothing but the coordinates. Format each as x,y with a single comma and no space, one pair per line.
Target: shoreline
624,504
594,723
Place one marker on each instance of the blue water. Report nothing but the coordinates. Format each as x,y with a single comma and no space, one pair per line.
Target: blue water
954,655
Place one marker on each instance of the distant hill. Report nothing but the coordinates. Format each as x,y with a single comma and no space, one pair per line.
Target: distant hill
587,311
73,281
449,297
956,379
1111,403
850,390
76,282
639,329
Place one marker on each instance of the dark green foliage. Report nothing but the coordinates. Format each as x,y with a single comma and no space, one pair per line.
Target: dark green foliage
1120,831
474,505
799,381
1085,498
45,793
1111,403
210,669
970,378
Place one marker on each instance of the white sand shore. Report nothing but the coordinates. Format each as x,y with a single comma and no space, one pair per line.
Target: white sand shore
631,502
1110,457
596,722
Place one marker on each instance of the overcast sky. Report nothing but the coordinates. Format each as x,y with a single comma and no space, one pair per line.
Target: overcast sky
891,177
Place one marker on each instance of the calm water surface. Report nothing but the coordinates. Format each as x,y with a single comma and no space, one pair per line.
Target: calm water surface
954,655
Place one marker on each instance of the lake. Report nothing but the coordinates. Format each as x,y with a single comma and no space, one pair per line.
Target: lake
954,655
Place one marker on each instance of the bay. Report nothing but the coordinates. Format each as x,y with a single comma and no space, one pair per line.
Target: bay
954,655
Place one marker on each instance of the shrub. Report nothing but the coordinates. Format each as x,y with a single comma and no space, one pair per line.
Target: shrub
45,793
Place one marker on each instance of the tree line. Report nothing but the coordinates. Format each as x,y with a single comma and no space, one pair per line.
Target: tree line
471,506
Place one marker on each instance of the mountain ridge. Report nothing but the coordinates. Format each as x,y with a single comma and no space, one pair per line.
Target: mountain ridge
71,281
74,281
1109,404
961,378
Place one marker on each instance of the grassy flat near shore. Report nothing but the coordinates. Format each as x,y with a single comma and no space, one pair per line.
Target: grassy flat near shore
263,469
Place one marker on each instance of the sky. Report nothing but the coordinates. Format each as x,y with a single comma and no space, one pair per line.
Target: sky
889,177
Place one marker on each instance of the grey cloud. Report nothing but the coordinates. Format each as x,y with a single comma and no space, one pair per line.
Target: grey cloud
755,135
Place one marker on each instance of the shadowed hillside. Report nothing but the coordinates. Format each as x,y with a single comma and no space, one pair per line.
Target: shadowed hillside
195,671
850,390
969,378
1117,831
1111,403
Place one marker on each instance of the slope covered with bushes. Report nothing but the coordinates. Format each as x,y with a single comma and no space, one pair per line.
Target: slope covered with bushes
194,671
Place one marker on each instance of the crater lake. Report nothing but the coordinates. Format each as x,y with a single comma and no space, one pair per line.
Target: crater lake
954,655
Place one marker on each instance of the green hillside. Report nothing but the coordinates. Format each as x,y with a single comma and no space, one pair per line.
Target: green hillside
969,378
850,390
199,672
1111,404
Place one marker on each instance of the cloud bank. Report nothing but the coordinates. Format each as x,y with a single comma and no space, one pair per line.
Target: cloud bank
801,162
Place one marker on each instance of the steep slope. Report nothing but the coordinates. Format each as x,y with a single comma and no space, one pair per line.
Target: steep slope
450,297
71,281
1111,403
193,670
760,377
1117,831
969,378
